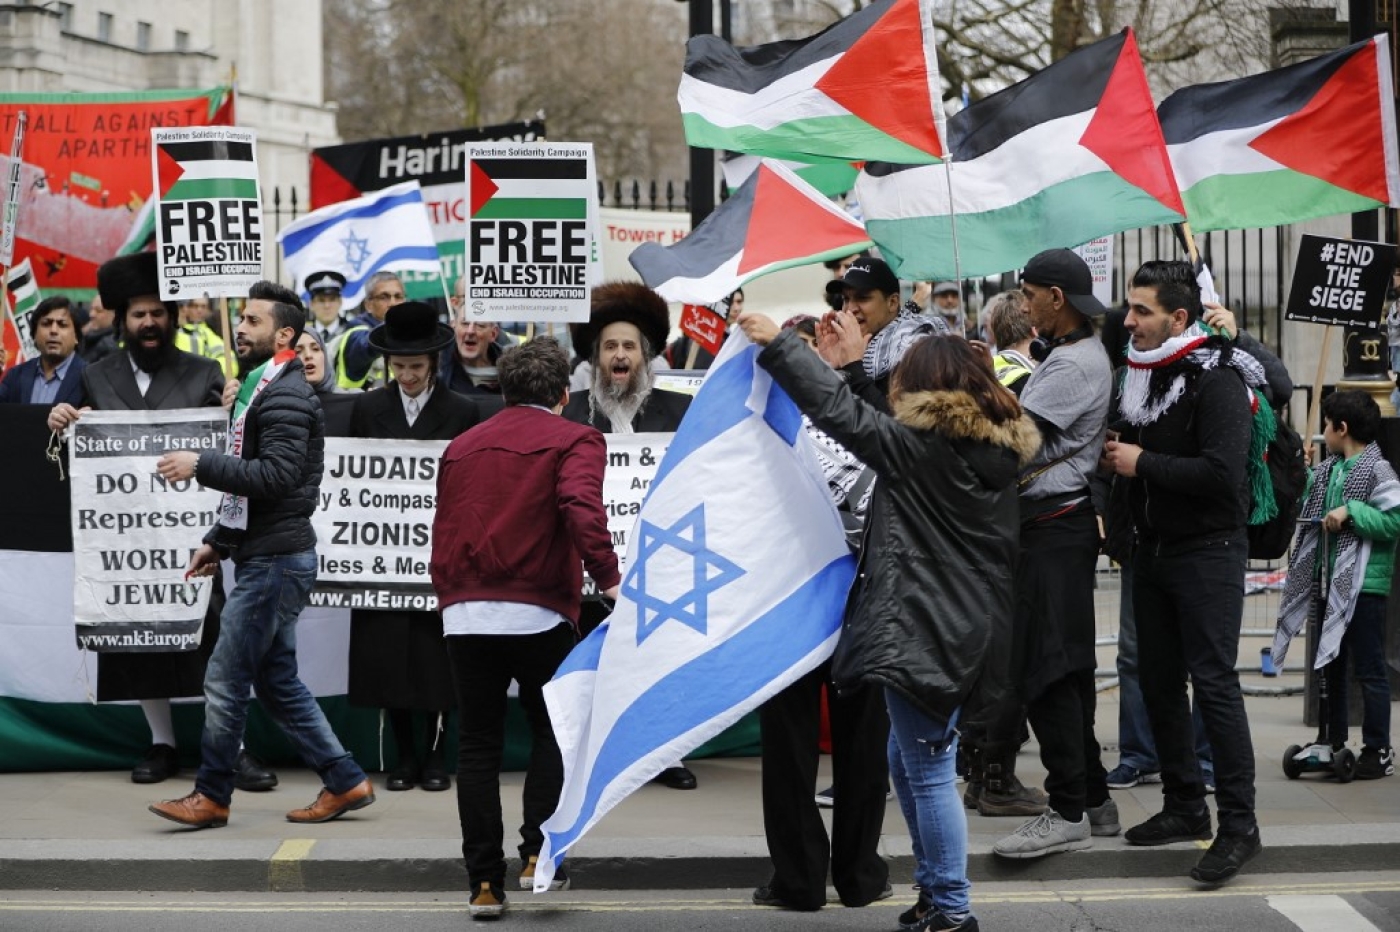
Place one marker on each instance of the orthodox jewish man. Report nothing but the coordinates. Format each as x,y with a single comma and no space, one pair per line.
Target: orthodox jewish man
149,373
627,327
398,659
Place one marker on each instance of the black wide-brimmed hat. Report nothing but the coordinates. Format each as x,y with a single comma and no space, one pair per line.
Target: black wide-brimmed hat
121,279
629,302
410,329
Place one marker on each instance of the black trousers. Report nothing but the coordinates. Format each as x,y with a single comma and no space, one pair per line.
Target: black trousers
1189,607
482,668
797,839
1054,624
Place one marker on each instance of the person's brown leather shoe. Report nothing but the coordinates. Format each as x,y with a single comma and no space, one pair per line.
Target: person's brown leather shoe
330,805
195,810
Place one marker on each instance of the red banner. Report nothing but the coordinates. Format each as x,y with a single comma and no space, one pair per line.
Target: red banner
704,325
86,173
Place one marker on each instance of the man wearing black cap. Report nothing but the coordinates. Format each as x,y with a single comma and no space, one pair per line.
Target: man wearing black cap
398,659
869,335
325,289
1053,622
151,374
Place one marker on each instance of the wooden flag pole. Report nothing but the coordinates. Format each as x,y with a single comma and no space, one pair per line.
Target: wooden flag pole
1316,405
229,367
692,354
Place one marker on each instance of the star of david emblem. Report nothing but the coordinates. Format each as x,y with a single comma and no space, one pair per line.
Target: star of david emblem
356,250
665,548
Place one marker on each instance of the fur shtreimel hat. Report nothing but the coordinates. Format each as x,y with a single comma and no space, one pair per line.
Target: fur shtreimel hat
632,302
121,279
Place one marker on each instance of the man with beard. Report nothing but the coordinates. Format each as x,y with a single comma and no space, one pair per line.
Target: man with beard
271,478
57,373
151,374
1184,424
627,326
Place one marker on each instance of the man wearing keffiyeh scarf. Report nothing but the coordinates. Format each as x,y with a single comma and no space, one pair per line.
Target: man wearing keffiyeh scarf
1185,424
1353,504
870,311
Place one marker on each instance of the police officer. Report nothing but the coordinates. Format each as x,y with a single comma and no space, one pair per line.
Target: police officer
326,319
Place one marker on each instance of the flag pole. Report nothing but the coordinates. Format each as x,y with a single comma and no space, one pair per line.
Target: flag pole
11,220
940,122
1315,406
229,368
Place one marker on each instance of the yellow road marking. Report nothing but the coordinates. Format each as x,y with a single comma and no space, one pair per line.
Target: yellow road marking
284,868
555,903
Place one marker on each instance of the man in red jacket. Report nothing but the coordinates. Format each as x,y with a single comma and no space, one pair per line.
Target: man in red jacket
520,514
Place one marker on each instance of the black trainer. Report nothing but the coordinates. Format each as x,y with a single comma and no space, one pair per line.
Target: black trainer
1228,853
1375,763
1167,827
911,917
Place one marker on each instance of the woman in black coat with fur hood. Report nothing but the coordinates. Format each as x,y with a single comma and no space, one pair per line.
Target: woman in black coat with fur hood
928,616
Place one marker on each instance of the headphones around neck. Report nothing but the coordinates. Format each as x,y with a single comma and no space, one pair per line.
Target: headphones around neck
1041,347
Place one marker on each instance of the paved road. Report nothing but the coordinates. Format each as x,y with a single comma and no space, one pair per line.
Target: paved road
1355,902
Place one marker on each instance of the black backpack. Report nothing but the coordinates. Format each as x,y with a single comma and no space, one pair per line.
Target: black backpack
1288,474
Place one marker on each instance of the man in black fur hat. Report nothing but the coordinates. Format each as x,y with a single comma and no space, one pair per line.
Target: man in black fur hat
627,328
151,374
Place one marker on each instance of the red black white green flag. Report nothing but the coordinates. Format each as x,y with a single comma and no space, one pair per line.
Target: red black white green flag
774,221
1070,154
864,88
1310,140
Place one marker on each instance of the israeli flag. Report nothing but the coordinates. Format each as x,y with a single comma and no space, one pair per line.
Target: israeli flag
737,576
385,231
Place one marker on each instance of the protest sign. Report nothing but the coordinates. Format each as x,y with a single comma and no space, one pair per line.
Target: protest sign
85,178
374,520
1340,282
435,161
704,325
1098,255
374,524
209,230
532,221
134,532
24,297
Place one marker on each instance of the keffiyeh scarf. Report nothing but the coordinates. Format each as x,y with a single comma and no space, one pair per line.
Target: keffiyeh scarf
1156,379
887,348
1371,480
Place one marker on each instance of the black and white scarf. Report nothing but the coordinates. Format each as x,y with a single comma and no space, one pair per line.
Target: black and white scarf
887,347
1156,379
1371,480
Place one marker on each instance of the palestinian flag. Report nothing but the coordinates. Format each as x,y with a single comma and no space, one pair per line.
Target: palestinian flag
1068,155
832,178
206,170
24,297
502,188
774,221
864,88
1310,140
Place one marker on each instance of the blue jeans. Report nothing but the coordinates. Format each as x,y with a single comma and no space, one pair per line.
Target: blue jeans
257,648
922,769
1135,745
1364,643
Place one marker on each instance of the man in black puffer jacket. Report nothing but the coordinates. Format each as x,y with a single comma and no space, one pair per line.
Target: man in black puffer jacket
270,478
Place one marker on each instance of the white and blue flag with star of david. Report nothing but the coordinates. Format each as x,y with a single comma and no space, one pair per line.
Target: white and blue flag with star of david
384,231
737,576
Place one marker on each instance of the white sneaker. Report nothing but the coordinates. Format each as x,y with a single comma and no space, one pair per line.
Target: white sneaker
1046,834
